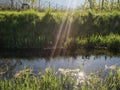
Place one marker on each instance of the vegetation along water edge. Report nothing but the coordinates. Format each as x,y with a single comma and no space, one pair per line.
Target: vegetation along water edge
32,29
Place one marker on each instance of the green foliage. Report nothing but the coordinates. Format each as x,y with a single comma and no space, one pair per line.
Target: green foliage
93,23
31,29
111,42
50,80
25,29
101,5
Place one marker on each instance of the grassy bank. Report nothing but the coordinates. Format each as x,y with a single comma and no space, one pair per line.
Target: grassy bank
31,29
49,80
111,42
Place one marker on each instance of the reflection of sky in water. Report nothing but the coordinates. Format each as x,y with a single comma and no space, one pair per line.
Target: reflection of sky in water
87,65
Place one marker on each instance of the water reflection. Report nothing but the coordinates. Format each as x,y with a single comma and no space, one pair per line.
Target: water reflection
77,74
46,53
7,67
88,64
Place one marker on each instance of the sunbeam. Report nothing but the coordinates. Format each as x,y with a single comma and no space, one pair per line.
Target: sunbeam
64,29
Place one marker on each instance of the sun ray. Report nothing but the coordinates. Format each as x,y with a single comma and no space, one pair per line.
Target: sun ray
64,29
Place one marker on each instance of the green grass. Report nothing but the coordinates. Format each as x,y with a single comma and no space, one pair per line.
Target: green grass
50,80
111,42
32,29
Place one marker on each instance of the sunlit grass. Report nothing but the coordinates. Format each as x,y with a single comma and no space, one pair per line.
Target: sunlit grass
51,80
111,42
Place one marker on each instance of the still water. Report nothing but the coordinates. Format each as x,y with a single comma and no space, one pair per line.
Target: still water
87,64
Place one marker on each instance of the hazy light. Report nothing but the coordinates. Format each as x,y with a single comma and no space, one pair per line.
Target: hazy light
64,28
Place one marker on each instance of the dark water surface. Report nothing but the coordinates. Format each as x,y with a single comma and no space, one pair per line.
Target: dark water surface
87,63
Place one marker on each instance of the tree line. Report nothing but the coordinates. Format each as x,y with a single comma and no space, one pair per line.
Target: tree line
104,4
89,4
